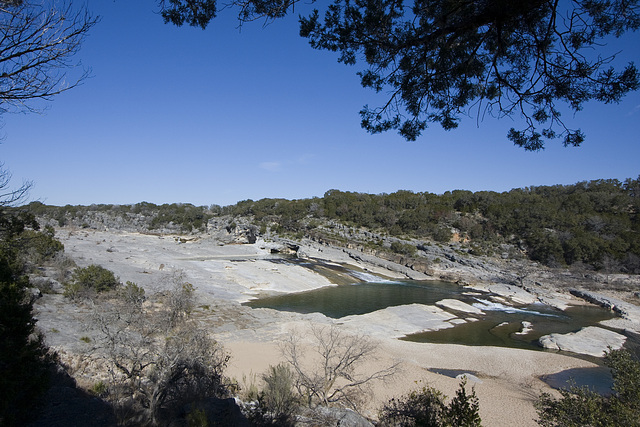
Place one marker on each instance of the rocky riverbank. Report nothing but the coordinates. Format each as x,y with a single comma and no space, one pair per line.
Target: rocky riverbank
227,267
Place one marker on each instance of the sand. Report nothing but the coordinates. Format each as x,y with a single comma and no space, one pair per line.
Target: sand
507,378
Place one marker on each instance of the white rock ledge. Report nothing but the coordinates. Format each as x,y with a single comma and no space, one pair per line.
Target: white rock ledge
592,341
454,304
399,321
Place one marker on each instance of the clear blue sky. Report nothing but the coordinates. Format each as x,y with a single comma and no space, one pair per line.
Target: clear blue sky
218,116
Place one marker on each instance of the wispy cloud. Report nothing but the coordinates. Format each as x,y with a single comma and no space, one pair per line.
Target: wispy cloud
277,166
305,158
271,166
634,110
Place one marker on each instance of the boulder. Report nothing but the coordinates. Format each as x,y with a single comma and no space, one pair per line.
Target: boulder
592,341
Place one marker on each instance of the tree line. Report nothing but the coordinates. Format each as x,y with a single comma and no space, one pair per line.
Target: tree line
591,224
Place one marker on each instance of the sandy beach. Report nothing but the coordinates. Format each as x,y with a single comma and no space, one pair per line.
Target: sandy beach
505,380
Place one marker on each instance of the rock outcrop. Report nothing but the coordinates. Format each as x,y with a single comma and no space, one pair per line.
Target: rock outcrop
626,310
592,341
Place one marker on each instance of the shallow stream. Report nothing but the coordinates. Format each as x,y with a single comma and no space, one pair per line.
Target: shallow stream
501,325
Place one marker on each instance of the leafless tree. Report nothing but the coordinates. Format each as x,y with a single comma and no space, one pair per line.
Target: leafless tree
333,375
180,300
11,196
37,41
609,265
158,360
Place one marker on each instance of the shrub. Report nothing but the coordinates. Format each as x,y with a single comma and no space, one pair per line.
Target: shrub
132,294
419,408
100,389
91,279
427,408
403,248
39,247
580,406
197,418
278,399
442,234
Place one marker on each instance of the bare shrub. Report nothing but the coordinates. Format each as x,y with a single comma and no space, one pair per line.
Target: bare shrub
158,358
335,375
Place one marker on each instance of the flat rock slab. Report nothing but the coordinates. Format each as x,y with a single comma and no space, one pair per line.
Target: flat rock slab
231,272
454,304
399,321
592,341
514,293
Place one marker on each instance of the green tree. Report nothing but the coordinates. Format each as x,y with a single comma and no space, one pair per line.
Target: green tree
579,406
427,408
441,59
277,403
24,357
91,279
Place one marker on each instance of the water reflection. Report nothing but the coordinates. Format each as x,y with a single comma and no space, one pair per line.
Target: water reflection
597,379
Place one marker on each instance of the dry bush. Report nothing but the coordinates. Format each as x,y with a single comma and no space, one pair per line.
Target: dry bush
158,358
334,373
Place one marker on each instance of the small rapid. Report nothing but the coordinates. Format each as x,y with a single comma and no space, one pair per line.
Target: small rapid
365,277
486,305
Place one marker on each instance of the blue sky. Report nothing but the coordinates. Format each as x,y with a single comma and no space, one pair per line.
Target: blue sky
222,115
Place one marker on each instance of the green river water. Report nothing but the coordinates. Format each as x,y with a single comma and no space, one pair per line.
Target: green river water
361,292
500,325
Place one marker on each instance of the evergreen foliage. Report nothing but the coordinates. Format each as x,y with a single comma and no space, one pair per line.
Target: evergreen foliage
593,224
91,279
441,60
427,408
278,402
24,358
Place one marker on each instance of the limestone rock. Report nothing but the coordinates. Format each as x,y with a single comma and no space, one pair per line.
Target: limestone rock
402,320
514,293
591,340
454,304
472,379
626,310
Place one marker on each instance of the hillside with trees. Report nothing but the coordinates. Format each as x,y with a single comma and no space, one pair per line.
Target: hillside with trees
592,225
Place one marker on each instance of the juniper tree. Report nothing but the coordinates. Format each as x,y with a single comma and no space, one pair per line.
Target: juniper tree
441,60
